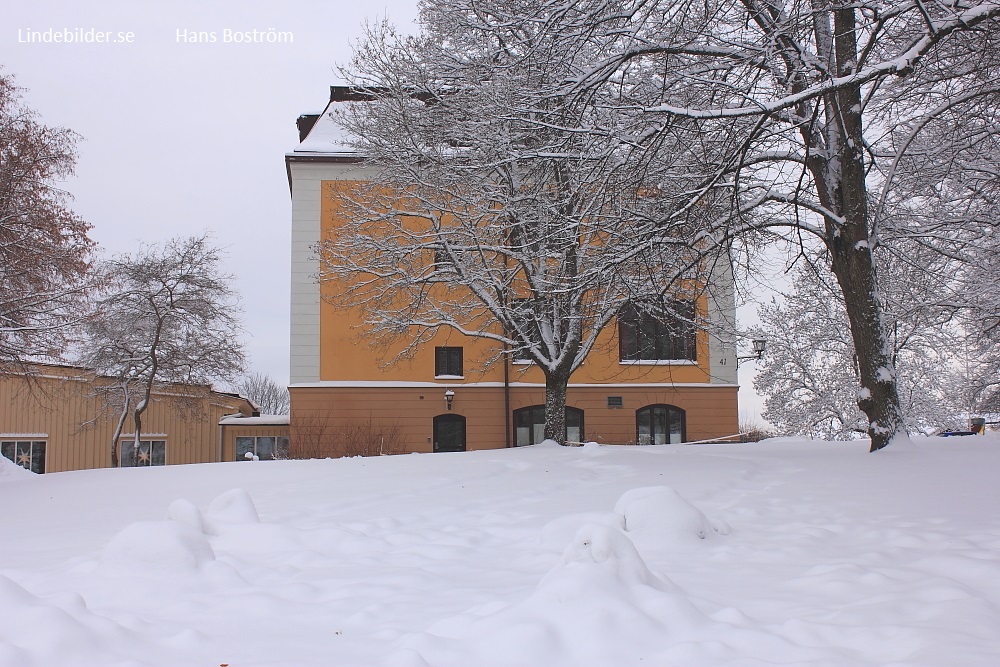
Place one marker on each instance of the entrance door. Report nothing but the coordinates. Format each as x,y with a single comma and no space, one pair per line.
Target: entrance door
449,433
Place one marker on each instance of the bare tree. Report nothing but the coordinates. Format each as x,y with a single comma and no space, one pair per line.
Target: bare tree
492,215
809,377
164,314
825,99
44,247
804,116
270,397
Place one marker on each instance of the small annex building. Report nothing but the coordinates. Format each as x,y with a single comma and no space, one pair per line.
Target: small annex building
647,382
55,418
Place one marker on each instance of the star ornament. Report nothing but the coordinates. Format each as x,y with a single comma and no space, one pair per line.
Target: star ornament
24,459
144,457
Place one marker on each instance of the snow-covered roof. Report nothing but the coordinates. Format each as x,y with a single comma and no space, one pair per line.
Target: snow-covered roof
262,420
326,137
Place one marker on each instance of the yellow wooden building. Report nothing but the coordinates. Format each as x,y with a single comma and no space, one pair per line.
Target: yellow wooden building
441,399
56,418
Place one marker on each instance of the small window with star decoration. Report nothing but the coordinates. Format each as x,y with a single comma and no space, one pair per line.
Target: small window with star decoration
148,453
29,454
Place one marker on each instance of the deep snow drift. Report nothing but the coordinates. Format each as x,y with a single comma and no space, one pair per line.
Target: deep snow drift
786,552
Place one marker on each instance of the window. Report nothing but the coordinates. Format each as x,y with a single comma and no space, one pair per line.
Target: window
443,262
448,362
265,448
529,425
659,425
149,453
644,337
29,454
527,312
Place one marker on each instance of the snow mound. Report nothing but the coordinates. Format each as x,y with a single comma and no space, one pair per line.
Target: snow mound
152,546
186,512
234,507
10,470
44,631
596,544
600,605
558,532
660,512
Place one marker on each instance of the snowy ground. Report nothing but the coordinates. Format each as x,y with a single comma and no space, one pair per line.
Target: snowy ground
801,554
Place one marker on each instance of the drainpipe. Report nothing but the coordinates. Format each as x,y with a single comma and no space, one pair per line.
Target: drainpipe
506,373
506,394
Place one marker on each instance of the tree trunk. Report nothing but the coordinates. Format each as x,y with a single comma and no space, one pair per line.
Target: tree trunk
147,389
119,426
850,248
137,420
878,396
555,405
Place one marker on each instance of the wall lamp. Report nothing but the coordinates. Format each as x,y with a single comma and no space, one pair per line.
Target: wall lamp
759,345
449,398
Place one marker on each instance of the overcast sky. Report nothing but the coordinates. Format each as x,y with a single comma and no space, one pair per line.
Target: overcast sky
182,135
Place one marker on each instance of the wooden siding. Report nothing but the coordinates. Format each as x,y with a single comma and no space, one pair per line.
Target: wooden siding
61,403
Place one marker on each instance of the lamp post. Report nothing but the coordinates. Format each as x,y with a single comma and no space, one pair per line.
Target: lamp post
759,345
449,397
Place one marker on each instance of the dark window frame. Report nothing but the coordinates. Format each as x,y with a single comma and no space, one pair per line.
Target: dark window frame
153,458
278,450
643,336
668,410
537,415
448,358
523,309
442,258
442,262
26,453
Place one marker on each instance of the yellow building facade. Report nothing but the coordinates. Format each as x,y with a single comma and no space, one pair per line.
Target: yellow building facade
56,418
348,393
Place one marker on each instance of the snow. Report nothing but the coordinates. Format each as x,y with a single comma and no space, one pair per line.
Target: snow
786,552
262,420
327,137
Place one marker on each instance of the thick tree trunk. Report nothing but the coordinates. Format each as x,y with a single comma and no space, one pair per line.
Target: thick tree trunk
878,397
555,406
849,243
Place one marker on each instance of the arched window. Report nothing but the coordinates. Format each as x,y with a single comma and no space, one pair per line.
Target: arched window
659,425
449,433
529,425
